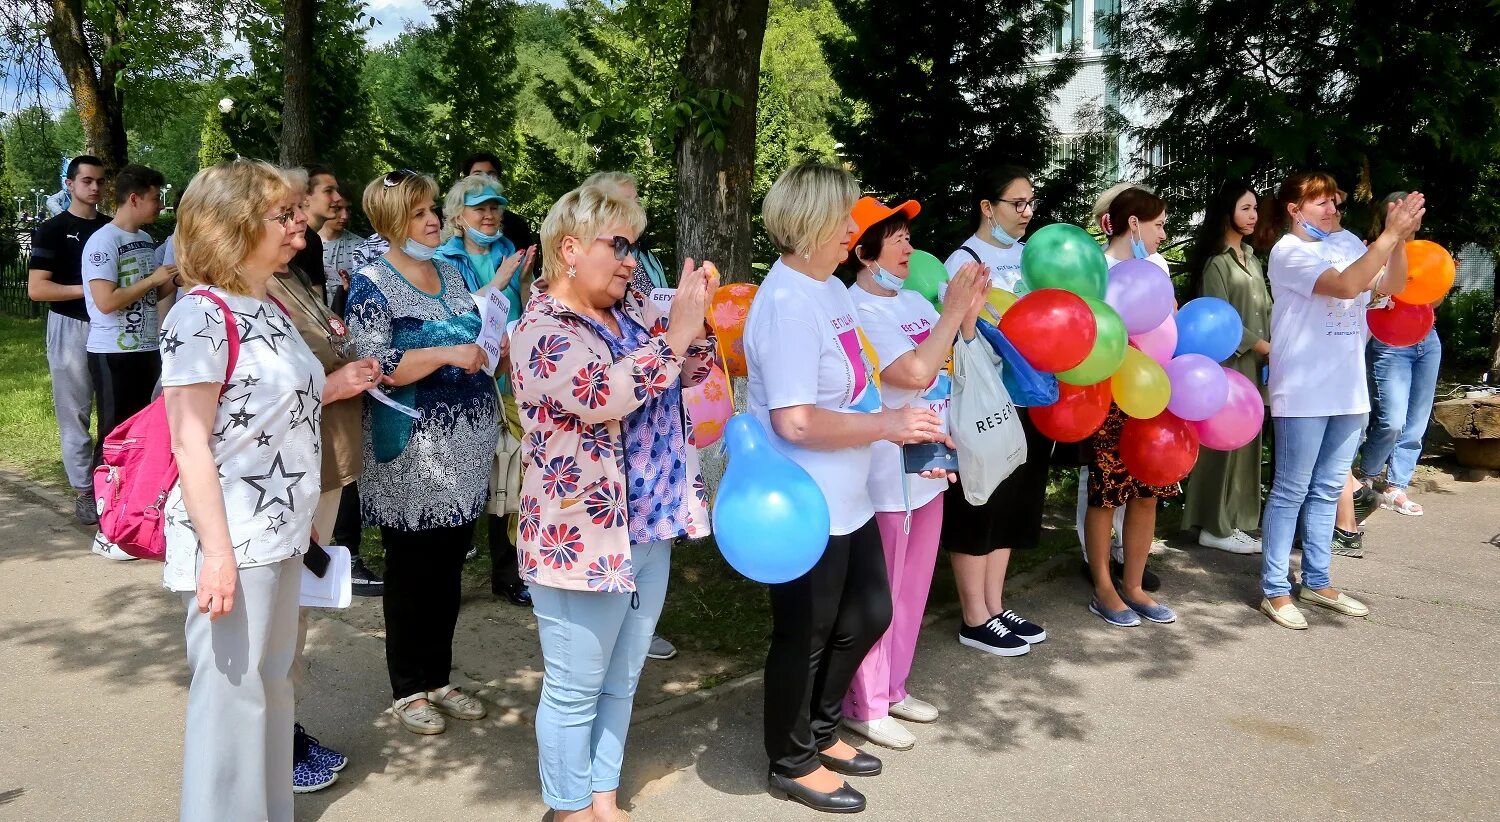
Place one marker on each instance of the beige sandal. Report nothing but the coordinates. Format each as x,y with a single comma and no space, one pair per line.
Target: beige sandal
423,720
455,703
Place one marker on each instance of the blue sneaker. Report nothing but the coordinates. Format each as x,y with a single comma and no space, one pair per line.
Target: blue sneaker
1125,618
1160,614
305,747
307,777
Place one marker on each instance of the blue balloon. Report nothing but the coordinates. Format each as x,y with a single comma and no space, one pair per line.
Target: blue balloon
1027,386
1208,326
770,518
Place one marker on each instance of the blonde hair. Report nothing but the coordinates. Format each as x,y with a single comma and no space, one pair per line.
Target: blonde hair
613,181
389,208
807,206
222,218
453,202
1103,202
585,213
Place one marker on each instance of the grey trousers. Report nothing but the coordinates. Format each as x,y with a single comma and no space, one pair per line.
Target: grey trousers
237,756
72,396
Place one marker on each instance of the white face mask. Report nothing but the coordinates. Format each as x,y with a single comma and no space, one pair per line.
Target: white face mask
886,279
417,251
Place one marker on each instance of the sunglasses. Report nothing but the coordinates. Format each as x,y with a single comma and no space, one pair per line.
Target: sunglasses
396,178
621,245
285,217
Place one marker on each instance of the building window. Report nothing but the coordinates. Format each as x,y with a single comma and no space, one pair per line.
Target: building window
1070,30
1104,13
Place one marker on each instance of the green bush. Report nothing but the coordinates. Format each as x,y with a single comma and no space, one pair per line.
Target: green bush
1466,324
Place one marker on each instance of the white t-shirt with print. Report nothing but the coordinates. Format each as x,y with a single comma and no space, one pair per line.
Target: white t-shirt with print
1004,263
804,346
122,258
265,436
895,326
1318,342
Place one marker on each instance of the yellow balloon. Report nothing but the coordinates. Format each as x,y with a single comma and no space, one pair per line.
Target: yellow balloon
999,301
1140,386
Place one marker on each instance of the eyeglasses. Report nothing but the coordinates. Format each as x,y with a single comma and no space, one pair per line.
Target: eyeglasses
622,246
396,178
1022,205
285,217
1343,207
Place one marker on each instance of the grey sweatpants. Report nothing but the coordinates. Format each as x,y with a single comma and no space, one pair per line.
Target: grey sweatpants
237,756
72,396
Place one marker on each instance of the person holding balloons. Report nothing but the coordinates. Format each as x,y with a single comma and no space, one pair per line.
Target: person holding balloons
980,539
913,343
1405,380
814,388
609,482
1223,496
1319,399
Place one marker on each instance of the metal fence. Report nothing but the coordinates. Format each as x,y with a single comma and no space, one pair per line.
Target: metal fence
13,255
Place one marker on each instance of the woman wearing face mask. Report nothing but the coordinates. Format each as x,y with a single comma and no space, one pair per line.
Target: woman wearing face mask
913,343
1135,223
1223,496
486,258
426,476
980,539
1319,398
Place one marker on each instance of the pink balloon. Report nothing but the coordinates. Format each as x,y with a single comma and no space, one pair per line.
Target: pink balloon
1160,342
708,407
1238,421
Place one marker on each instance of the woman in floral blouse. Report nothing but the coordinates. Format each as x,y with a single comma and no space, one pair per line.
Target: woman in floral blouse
425,477
609,481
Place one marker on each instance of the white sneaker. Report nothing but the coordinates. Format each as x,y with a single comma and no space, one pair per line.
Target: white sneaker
109,550
1158,546
1248,540
885,732
912,709
1233,544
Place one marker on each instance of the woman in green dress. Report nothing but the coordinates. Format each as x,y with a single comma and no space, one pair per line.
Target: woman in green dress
1223,493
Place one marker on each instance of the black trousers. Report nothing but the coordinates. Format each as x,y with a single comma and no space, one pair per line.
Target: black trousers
123,384
504,568
348,530
423,584
822,626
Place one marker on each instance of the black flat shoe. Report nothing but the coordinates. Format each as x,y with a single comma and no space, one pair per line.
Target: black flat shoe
843,800
516,594
861,764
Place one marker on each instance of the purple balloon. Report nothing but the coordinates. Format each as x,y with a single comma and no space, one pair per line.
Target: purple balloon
1238,421
1142,293
1199,387
1159,342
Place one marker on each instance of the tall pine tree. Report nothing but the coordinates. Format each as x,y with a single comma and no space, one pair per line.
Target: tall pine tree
477,78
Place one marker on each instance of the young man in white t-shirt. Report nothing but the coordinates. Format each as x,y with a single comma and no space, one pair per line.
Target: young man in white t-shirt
122,290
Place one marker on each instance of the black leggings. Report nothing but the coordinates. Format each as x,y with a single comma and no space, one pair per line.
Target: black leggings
504,570
823,625
123,384
423,584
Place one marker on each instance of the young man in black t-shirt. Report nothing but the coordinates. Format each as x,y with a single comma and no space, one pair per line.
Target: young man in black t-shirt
54,277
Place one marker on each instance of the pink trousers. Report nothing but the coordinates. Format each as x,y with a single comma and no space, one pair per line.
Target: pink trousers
909,561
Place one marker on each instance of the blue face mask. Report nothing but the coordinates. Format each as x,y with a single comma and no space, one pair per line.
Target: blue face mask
1001,237
1138,248
1312,230
887,280
417,251
480,238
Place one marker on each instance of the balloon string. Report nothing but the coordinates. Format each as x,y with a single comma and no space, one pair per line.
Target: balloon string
723,363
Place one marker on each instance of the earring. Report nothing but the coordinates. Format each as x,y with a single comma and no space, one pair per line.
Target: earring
572,272
806,255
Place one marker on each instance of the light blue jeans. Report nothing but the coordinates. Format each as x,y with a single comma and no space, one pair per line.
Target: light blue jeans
593,647
1313,455
1404,382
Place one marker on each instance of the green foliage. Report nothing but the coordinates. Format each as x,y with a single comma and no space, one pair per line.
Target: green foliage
168,140
1465,324
404,108
476,78
32,157
213,144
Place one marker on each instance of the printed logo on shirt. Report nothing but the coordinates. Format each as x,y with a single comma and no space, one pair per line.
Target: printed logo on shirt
940,392
864,367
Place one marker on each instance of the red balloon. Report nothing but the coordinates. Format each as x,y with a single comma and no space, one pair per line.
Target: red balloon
1160,450
1078,412
1052,328
1400,324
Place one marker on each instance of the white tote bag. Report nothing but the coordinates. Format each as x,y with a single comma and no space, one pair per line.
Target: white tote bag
991,443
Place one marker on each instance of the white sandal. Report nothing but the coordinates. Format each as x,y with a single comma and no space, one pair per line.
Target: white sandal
1396,500
455,703
423,720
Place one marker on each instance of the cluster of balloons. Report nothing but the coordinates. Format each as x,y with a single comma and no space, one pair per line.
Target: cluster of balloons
710,404
1085,335
1407,319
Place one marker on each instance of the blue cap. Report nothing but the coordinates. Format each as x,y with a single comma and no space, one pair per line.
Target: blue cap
485,195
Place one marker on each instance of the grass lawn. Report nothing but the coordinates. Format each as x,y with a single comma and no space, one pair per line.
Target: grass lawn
28,429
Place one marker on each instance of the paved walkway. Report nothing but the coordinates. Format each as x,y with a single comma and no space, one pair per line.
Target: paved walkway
1221,716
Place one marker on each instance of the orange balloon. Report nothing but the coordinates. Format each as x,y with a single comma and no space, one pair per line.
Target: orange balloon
1429,273
727,313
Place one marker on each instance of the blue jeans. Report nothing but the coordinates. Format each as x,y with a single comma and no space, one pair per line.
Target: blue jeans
593,647
1404,382
1313,455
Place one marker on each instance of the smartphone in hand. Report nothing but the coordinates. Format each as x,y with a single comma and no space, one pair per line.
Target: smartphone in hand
928,456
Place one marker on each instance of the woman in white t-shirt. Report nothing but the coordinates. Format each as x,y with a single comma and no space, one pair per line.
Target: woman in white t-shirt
814,388
1319,399
238,520
912,343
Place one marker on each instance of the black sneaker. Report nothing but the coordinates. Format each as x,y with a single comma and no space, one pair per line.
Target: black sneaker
1347,543
1366,502
362,581
993,637
84,510
1022,627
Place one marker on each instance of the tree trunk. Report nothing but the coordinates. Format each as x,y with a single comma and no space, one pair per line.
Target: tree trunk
714,187
94,91
296,91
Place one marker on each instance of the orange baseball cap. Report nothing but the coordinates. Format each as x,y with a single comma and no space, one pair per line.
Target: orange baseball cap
869,211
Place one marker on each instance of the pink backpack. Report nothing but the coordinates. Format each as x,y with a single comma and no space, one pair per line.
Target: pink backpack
138,471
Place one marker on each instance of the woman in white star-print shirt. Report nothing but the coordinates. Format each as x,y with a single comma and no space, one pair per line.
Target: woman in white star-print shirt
241,513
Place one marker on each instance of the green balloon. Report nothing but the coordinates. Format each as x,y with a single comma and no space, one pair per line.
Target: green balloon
924,275
1108,351
1065,256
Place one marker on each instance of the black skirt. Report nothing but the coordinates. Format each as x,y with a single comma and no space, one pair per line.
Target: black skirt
1012,516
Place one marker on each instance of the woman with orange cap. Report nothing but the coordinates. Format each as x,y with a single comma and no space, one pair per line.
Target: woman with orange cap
912,343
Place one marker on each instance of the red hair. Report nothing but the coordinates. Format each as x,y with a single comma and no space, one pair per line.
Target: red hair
1299,188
